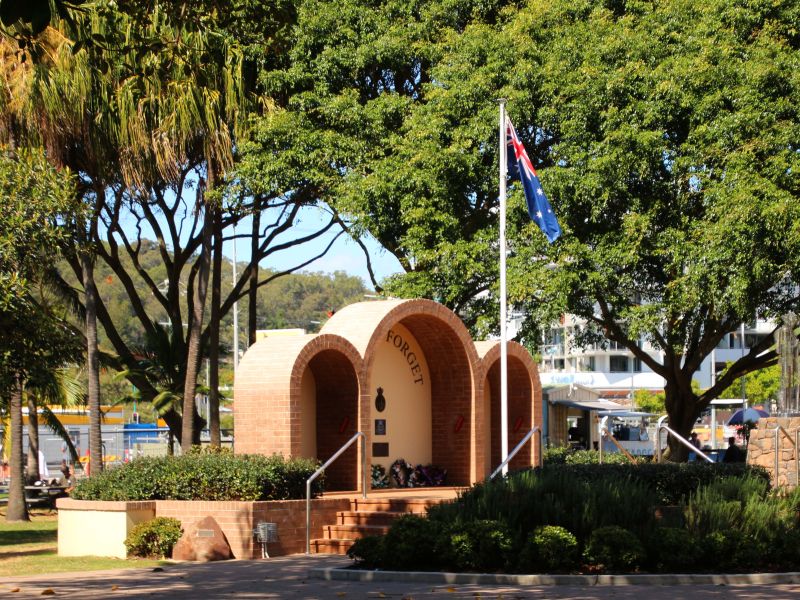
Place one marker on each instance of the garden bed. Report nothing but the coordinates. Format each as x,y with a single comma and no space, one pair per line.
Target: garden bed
597,519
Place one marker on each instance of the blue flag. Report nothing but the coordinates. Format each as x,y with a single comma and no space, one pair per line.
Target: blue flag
521,168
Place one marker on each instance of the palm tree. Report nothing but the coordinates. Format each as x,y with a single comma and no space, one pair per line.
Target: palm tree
61,387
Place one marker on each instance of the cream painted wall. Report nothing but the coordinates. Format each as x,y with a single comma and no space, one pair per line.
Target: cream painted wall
308,415
97,532
401,370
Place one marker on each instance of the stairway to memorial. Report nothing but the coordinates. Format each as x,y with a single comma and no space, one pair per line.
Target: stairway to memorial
372,516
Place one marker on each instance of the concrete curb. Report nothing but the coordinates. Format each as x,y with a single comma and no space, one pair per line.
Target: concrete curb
341,574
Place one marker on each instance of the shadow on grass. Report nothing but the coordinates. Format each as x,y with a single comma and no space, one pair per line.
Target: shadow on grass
14,537
23,553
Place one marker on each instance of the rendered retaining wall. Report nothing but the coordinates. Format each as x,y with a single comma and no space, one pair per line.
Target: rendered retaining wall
92,528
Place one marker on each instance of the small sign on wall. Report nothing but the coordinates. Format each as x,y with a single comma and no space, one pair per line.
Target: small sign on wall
380,449
380,426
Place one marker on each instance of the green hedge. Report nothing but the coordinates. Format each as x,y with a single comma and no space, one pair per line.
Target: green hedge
563,455
198,476
671,482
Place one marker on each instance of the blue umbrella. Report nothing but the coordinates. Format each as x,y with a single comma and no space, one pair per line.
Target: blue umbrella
745,415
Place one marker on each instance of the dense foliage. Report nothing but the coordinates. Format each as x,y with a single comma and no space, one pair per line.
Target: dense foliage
155,538
220,476
569,518
665,134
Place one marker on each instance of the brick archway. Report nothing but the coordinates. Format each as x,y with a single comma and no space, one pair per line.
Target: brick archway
268,413
334,364
453,364
524,403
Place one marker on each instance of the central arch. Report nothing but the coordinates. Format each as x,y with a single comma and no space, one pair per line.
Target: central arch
449,375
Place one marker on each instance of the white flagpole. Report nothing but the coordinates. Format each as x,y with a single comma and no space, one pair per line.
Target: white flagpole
503,319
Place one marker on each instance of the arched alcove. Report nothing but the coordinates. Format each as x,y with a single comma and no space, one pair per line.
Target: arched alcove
524,404
335,408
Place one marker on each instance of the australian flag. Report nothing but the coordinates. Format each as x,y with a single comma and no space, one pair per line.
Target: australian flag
520,167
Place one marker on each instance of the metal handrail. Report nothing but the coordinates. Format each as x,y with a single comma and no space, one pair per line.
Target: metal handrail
318,472
678,437
777,430
604,427
518,447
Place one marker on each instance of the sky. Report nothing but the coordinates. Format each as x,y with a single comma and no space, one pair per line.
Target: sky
344,255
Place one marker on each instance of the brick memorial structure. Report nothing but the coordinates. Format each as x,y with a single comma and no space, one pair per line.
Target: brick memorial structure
407,374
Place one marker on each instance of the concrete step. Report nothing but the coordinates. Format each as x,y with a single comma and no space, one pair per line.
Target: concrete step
352,532
363,517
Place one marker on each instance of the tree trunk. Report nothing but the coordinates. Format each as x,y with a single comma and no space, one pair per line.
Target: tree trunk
92,365
681,404
32,472
189,434
213,349
252,293
17,509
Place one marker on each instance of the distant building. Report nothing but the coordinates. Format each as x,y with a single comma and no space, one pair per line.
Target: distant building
615,373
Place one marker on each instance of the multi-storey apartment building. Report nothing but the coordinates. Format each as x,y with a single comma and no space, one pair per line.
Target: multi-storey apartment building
610,367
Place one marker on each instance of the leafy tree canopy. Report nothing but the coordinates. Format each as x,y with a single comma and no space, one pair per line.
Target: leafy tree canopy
665,134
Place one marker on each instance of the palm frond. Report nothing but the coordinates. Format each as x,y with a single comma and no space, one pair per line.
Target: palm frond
52,421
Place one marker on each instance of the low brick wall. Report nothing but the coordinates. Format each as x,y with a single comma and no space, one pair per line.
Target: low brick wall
112,521
761,449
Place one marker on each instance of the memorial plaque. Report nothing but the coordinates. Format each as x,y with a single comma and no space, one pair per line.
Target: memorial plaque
380,426
205,533
380,449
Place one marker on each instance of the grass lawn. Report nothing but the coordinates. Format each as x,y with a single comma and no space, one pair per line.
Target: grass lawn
31,548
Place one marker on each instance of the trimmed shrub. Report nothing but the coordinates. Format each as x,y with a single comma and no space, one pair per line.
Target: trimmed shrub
413,544
614,548
549,549
368,552
154,538
672,482
482,546
734,551
556,455
531,499
674,549
592,457
203,476
563,455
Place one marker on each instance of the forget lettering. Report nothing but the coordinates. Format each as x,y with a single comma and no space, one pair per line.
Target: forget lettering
411,358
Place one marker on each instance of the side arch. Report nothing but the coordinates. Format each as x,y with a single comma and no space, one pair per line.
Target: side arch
525,408
298,396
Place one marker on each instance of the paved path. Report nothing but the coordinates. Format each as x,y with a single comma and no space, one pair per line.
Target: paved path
287,577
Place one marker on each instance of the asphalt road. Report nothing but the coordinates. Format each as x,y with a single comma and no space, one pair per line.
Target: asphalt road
289,577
